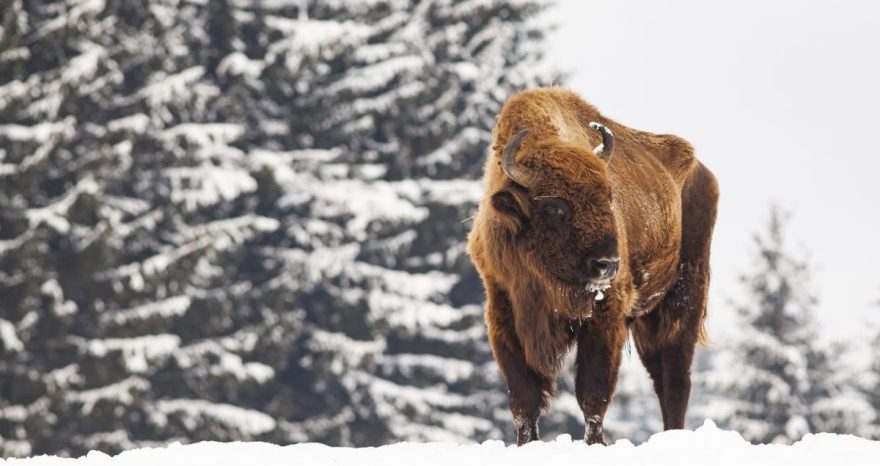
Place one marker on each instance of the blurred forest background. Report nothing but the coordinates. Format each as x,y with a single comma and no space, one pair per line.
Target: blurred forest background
245,220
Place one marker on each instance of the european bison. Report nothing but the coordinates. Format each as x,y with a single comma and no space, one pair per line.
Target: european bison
582,245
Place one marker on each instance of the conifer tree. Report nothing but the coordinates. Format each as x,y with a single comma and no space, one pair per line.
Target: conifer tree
775,381
243,220
870,385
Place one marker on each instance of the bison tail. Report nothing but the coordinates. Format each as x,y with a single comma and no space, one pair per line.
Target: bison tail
703,335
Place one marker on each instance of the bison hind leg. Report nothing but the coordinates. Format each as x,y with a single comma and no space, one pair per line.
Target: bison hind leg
666,337
669,365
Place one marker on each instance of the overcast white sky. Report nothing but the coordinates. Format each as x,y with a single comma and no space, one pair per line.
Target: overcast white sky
781,100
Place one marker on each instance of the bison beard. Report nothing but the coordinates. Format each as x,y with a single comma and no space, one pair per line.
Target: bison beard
576,248
569,303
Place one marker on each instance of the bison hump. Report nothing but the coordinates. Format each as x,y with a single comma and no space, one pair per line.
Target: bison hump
677,155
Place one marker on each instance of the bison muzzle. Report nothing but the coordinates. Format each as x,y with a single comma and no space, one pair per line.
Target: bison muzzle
589,230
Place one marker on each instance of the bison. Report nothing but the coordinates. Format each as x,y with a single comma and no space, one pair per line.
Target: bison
582,246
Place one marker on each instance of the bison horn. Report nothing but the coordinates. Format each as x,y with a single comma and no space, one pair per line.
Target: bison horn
519,174
605,149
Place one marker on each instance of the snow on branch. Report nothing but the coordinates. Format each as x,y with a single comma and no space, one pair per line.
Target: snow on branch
239,229
218,361
207,185
411,314
138,353
9,341
121,392
450,369
305,38
364,202
351,352
224,234
55,214
238,64
165,308
71,16
171,87
248,422
376,76
206,134
46,136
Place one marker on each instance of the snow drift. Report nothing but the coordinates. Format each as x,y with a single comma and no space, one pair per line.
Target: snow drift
708,445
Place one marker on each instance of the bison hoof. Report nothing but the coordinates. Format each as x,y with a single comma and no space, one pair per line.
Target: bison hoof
595,438
595,433
522,440
526,431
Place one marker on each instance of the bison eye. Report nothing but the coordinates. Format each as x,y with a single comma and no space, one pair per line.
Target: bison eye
554,209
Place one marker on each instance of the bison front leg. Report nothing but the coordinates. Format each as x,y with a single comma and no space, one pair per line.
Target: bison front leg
598,360
528,389
528,392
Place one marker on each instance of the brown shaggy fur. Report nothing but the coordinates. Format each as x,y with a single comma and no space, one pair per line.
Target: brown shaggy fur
654,205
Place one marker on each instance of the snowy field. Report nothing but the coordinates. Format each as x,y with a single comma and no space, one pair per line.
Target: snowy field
706,445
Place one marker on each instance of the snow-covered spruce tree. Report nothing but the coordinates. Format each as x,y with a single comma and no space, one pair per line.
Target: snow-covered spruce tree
870,384
127,213
386,148
775,380
243,220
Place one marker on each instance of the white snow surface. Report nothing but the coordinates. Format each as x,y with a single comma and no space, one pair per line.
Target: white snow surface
706,445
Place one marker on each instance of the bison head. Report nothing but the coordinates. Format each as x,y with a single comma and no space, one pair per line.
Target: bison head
557,206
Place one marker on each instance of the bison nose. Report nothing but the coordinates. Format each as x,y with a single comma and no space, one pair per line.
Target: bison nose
604,268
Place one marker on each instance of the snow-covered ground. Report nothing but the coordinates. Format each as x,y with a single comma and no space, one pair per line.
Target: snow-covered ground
708,445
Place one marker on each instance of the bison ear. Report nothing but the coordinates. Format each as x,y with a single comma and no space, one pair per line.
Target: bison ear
505,203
